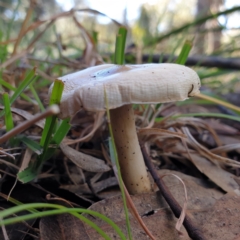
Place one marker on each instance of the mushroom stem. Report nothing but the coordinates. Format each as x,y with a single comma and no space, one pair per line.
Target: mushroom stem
130,157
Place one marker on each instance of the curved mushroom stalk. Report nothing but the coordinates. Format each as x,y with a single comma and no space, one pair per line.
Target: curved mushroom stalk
131,161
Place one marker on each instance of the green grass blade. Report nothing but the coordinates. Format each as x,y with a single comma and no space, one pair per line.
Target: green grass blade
28,174
50,123
182,58
55,98
8,115
36,97
61,131
32,171
191,24
55,212
212,73
95,37
10,87
119,59
29,79
114,159
34,146
59,209
215,115
120,46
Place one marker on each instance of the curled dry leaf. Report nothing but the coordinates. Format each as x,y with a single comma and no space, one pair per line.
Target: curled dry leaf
84,161
226,148
208,154
219,176
145,133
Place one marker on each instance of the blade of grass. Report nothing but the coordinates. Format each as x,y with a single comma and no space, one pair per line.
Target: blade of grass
36,97
31,77
55,98
10,87
182,58
34,146
59,209
50,124
61,132
32,171
191,24
216,115
120,46
220,102
119,59
8,116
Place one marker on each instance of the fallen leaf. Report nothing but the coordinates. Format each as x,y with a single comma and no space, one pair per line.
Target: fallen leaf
219,176
98,186
221,222
62,227
84,161
154,210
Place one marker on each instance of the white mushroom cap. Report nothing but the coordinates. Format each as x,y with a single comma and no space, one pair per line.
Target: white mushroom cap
126,84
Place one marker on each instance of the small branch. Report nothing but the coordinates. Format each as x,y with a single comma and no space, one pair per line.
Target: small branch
193,231
52,110
199,60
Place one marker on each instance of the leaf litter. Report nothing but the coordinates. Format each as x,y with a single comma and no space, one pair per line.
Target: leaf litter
203,153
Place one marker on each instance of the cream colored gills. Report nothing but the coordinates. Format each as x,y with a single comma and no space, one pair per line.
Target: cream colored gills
125,85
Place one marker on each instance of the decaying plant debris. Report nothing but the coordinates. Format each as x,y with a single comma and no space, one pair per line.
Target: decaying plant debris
203,152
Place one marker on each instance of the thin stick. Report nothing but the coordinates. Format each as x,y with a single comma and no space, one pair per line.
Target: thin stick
52,110
193,231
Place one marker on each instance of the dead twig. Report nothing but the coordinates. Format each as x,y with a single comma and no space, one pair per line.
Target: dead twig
193,231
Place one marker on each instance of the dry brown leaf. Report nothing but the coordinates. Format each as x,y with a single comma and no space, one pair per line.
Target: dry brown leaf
222,178
221,222
98,186
145,133
226,148
200,193
84,161
154,210
26,158
208,154
161,222
221,127
62,227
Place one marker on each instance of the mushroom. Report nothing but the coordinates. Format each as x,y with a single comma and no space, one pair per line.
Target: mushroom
126,85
